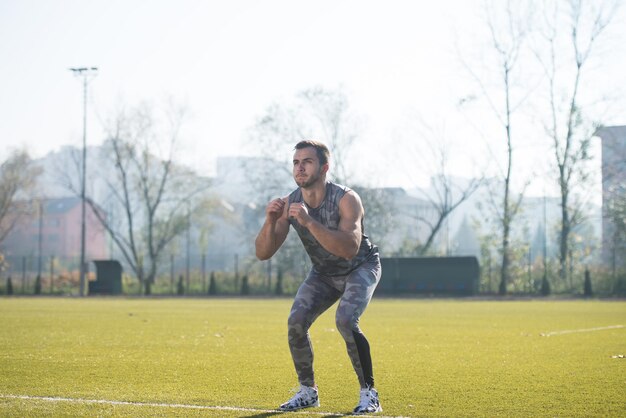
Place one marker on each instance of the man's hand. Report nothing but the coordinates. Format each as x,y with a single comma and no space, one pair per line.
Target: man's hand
300,213
274,230
344,241
274,210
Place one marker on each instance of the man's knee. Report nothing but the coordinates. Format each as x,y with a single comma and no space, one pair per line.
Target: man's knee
296,323
346,323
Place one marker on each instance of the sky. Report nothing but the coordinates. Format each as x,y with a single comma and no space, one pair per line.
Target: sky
227,61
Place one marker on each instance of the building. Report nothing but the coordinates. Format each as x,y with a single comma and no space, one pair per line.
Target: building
55,230
397,222
465,241
613,193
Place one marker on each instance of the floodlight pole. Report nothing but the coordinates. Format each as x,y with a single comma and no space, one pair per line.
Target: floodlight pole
86,74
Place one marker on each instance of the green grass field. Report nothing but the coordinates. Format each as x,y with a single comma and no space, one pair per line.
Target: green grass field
432,358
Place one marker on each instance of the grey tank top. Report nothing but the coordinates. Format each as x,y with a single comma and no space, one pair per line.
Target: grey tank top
327,213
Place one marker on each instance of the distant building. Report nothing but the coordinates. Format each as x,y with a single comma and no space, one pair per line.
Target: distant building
537,224
252,179
465,242
58,228
242,187
407,228
613,189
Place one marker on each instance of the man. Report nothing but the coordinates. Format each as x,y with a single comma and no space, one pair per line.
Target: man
329,220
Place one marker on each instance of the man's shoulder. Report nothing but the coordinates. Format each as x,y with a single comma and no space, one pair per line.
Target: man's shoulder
338,189
295,195
341,190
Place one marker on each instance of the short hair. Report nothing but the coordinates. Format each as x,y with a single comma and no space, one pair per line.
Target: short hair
323,154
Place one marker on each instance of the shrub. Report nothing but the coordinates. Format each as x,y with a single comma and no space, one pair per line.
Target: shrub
587,287
180,288
38,285
245,287
212,284
279,283
9,286
545,287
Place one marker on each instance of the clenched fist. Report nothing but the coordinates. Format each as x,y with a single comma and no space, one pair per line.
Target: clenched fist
300,213
274,209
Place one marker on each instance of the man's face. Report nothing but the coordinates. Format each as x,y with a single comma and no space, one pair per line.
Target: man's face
306,167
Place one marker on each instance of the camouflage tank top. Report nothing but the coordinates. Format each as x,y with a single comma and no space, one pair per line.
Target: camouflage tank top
327,213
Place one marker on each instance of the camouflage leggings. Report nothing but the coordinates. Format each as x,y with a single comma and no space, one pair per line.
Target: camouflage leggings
318,293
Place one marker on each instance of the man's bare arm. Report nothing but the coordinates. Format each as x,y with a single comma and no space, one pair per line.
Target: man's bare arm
274,230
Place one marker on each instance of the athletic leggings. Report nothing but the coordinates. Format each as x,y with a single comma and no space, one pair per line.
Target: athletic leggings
316,294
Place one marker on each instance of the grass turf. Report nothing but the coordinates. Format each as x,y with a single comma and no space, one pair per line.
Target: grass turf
450,358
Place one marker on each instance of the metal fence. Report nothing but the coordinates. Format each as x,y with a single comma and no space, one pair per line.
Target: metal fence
235,274
216,274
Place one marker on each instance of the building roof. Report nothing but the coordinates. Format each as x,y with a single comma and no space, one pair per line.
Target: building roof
611,132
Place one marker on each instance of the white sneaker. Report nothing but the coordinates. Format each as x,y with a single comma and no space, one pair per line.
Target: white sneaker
368,403
305,398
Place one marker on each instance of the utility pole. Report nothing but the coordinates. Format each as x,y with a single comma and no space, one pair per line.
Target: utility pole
40,240
545,240
86,74
188,261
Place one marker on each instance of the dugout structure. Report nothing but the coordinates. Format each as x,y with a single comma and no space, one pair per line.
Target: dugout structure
108,278
430,275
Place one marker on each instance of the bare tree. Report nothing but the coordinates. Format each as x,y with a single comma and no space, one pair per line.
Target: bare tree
316,113
272,138
156,195
18,177
332,118
431,154
447,195
148,198
567,127
508,31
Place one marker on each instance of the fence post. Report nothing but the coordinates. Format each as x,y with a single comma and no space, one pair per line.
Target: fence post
489,271
187,268
236,272
530,274
212,285
203,273
180,290
40,241
172,274
24,275
51,274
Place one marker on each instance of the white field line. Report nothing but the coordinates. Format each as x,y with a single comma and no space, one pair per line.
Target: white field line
176,405
571,331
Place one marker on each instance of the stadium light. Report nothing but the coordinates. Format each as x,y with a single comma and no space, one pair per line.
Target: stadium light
86,73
